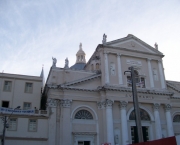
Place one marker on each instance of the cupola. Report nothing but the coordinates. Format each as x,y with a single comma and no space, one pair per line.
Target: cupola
80,55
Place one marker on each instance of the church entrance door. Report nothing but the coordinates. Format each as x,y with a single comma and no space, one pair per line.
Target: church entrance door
84,143
134,135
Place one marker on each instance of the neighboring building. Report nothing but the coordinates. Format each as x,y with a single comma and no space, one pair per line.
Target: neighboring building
25,127
91,103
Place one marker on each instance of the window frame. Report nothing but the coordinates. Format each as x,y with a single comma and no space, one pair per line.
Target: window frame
5,88
25,90
15,126
139,78
29,125
5,101
27,103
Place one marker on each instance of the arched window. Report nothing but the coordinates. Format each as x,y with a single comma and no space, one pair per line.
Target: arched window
97,66
140,81
176,118
143,114
83,114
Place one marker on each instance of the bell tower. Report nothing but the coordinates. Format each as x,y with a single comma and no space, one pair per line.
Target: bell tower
80,55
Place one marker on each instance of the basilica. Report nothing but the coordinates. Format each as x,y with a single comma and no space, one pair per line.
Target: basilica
90,102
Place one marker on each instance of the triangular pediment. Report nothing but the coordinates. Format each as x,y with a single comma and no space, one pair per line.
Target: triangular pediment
133,43
91,82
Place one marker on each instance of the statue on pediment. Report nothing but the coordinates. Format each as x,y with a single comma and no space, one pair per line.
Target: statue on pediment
104,38
66,63
54,61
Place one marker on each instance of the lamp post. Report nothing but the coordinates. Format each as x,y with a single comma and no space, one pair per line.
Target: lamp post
6,125
136,105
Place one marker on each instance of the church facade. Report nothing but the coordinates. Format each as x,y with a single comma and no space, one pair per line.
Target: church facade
91,103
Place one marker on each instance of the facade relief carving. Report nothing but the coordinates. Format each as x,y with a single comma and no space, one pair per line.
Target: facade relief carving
112,69
56,102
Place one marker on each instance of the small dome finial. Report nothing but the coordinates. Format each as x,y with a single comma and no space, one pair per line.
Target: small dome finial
80,46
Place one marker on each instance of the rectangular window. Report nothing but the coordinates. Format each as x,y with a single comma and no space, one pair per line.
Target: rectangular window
12,124
5,104
27,106
28,88
140,82
7,86
32,125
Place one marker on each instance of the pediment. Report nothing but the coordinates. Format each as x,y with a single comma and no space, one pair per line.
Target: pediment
91,82
133,43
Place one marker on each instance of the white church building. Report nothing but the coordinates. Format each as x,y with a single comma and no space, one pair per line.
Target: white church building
91,102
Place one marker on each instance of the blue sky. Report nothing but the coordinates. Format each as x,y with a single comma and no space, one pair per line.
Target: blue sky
32,31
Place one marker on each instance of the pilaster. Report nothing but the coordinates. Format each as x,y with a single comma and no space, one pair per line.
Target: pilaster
106,68
150,73
161,71
119,69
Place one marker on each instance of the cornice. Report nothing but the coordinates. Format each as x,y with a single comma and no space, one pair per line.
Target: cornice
172,86
113,88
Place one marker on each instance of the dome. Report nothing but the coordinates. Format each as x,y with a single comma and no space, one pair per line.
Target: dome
78,66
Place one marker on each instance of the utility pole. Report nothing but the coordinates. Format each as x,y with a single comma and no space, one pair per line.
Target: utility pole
4,130
136,105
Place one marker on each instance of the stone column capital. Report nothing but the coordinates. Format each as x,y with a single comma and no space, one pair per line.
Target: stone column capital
101,105
123,104
149,59
167,107
109,103
118,54
53,102
159,61
66,103
156,106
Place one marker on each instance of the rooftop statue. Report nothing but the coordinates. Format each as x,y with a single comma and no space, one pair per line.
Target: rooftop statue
104,38
156,46
54,62
66,63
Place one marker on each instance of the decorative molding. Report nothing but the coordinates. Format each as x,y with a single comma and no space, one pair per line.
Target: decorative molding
84,133
105,104
156,106
134,62
52,102
123,104
167,107
66,103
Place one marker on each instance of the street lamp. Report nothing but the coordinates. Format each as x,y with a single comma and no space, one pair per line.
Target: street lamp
6,125
136,105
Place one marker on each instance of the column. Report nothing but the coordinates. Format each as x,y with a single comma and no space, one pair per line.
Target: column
158,129
106,68
66,122
52,121
150,73
161,72
119,69
109,120
58,122
169,123
124,127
